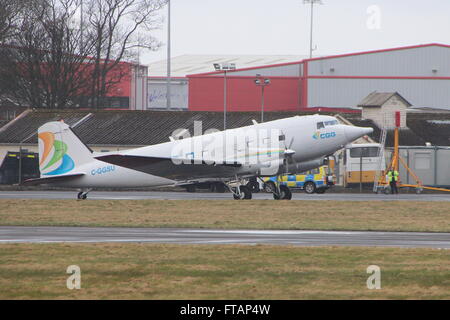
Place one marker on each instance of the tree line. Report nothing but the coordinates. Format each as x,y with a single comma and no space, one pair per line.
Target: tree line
70,53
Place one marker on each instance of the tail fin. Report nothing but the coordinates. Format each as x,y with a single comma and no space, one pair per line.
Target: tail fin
60,150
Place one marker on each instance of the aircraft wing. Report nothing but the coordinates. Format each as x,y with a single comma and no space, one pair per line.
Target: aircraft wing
176,169
56,179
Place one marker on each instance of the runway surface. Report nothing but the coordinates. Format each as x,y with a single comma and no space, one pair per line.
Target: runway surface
206,236
141,195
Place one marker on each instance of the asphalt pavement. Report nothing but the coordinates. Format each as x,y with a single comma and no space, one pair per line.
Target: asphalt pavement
210,236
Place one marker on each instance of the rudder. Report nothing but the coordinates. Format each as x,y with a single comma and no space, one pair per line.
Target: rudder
60,150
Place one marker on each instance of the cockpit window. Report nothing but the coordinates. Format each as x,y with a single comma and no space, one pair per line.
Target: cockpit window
331,123
320,125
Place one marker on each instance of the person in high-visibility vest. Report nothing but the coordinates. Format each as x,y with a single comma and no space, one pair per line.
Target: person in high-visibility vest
393,178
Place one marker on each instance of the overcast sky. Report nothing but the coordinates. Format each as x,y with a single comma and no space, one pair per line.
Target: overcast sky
271,27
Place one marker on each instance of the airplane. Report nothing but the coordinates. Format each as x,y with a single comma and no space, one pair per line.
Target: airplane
232,156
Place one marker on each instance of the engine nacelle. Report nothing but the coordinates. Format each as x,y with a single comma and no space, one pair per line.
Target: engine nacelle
307,165
278,167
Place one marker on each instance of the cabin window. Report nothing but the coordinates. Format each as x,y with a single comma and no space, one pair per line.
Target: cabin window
282,137
320,125
331,123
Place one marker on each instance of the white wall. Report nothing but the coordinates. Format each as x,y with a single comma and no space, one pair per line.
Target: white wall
157,91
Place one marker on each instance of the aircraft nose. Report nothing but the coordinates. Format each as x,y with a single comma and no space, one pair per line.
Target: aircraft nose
352,133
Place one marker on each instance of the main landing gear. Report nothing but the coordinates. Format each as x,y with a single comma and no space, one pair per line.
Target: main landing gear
239,190
243,193
82,195
243,190
279,191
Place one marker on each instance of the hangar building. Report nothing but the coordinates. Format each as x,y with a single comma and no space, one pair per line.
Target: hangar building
421,73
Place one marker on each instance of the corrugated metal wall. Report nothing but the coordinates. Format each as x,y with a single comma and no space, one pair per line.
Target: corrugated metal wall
349,92
337,81
207,94
416,62
420,74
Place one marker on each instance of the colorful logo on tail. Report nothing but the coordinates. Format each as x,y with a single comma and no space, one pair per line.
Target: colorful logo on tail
59,156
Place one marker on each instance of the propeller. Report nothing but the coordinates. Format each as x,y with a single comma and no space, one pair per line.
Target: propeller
288,153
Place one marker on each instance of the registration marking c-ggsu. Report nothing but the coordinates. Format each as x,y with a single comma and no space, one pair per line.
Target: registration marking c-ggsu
103,170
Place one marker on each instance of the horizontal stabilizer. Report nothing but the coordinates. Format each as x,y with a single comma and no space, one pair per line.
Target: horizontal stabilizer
56,179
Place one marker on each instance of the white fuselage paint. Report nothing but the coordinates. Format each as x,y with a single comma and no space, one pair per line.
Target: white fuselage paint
301,136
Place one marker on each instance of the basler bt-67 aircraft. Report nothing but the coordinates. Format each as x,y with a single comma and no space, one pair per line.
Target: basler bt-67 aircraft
232,156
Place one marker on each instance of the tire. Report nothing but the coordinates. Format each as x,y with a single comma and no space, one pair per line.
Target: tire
253,186
321,191
246,194
84,196
285,193
79,195
269,186
309,187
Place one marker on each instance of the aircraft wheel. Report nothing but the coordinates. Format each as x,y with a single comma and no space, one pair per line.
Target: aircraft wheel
253,186
310,187
245,194
82,196
269,186
286,193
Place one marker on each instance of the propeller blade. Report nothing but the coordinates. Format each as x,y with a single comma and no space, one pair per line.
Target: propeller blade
290,144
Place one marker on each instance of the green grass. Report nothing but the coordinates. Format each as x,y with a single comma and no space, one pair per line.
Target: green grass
149,271
255,214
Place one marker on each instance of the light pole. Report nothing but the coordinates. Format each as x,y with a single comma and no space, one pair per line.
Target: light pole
168,102
262,83
312,2
224,67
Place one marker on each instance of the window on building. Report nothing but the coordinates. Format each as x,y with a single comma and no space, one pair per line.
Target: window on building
365,152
